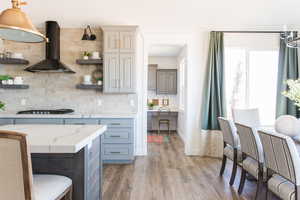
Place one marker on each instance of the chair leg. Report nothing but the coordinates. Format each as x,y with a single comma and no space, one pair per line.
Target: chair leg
234,167
242,181
259,181
297,192
223,165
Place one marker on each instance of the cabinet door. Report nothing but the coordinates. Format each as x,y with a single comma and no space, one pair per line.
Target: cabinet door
111,73
172,81
127,42
152,77
166,81
111,42
127,73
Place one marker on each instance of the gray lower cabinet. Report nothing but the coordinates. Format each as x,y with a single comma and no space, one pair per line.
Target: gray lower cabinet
39,121
82,121
118,140
5,121
118,143
166,81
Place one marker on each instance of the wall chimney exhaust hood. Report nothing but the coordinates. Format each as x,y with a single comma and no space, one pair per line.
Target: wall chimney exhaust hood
52,63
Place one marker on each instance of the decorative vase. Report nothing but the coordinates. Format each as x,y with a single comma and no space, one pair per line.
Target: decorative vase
288,125
85,57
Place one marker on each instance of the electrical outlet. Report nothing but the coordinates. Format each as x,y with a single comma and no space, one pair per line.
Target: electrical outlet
23,102
99,102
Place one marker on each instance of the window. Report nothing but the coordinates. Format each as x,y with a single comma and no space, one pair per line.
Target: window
251,74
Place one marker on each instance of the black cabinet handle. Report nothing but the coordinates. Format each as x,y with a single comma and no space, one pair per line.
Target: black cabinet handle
115,124
115,136
115,152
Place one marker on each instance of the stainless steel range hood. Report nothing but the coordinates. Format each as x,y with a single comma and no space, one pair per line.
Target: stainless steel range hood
52,63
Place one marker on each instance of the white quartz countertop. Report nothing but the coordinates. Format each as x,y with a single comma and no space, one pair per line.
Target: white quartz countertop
58,138
105,115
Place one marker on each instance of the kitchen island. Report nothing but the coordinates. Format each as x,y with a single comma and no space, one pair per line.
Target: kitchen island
70,150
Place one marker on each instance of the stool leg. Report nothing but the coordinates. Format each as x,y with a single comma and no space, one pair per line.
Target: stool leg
169,130
158,128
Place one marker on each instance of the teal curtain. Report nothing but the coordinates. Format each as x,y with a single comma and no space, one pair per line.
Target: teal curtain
287,69
214,91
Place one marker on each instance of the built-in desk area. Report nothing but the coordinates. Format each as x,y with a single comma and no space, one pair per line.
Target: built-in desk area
154,115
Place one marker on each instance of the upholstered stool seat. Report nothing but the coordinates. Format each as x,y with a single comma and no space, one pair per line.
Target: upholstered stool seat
50,187
282,187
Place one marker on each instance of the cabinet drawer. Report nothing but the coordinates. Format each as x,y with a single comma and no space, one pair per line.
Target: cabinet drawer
6,121
117,151
39,121
81,121
118,135
116,123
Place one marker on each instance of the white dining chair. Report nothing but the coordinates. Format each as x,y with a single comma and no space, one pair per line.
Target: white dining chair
231,148
249,117
17,181
283,165
253,157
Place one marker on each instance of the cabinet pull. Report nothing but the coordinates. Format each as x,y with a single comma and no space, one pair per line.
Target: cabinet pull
115,124
115,152
115,136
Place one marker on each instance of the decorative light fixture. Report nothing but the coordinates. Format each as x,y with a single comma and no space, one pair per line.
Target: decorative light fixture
290,38
87,36
15,25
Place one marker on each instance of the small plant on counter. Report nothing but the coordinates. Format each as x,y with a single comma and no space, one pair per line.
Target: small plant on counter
2,105
150,105
5,77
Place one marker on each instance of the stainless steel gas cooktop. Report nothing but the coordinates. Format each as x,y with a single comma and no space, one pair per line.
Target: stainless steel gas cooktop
47,112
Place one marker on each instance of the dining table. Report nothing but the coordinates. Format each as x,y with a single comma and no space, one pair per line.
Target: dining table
69,150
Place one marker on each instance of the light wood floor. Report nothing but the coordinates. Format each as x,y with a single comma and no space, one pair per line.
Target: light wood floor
167,174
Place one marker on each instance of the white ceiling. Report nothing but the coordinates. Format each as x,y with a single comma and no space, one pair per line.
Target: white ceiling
164,50
165,14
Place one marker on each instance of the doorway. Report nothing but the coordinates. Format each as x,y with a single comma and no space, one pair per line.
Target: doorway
166,88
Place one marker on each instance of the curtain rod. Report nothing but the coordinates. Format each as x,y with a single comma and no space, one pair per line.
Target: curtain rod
251,31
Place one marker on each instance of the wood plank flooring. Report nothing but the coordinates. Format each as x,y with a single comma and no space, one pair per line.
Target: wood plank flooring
167,174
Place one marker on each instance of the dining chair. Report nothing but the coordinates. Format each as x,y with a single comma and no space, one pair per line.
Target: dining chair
231,148
249,117
252,154
283,165
17,181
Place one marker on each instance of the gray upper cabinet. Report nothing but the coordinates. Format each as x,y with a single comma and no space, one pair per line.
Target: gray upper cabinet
119,59
166,82
111,72
152,76
127,63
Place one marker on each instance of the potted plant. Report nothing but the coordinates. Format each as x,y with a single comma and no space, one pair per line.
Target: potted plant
2,105
4,79
150,105
86,55
99,81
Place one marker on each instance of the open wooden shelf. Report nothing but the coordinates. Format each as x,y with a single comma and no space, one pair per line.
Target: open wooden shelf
14,86
89,62
15,61
89,87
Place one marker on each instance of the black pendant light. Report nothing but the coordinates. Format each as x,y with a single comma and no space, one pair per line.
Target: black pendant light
87,36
